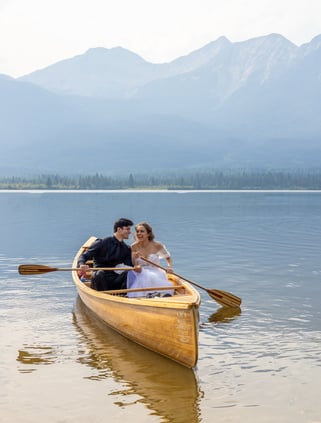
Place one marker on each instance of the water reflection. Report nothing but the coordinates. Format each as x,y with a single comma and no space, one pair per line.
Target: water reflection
225,315
166,388
32,356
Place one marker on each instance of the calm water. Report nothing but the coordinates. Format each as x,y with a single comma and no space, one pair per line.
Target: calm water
260,364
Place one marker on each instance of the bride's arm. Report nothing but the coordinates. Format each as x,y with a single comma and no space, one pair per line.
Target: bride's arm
164,253
135,256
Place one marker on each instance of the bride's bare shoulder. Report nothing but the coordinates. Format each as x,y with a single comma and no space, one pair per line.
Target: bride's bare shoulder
158,245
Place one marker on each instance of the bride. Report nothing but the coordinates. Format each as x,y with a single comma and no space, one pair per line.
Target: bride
147,274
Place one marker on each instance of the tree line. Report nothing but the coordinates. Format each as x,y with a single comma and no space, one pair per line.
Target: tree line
187,180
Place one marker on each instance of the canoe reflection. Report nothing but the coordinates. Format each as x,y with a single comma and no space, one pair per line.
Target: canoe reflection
225,314
165,387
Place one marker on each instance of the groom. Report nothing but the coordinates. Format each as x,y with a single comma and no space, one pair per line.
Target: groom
109,252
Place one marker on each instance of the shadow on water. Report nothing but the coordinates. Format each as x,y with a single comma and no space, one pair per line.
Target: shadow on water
225,315
166,388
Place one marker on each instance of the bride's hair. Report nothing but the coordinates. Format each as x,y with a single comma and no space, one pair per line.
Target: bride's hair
148,228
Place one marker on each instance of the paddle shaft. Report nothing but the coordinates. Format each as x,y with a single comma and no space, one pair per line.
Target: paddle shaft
34,269
97,268
222,297
172,273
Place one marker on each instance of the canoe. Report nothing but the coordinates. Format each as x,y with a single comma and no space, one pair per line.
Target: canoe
166,325
167,389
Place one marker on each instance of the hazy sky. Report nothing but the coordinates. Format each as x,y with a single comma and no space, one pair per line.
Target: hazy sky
37,33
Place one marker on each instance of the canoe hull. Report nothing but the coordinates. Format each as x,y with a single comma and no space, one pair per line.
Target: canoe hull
167,326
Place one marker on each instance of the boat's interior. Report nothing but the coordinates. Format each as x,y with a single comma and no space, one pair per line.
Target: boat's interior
151,292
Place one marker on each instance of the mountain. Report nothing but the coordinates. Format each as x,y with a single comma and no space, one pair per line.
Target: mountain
247,104
218,68
114,73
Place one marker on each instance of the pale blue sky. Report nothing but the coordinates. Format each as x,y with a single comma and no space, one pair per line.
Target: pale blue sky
37,33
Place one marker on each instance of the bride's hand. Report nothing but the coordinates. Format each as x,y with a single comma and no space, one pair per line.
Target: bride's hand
138,268
136,254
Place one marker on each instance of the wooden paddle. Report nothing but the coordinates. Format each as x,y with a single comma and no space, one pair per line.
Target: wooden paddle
38,269
224,298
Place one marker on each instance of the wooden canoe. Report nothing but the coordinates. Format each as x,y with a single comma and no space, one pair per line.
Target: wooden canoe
170,391
165,325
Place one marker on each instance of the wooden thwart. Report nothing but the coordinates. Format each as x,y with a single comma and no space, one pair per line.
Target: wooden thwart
152,288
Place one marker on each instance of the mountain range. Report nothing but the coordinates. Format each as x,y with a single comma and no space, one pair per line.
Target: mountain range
251,104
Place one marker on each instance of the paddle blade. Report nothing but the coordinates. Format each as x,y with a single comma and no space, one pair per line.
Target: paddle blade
225,298
34,269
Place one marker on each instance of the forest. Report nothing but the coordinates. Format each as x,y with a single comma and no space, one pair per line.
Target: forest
187,180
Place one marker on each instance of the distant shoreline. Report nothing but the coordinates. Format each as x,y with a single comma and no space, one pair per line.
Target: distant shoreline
180,180
146,191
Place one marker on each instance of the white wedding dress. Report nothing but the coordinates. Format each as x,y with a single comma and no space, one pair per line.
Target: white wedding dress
148,277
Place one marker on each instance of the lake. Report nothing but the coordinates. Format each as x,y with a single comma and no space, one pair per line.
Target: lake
261,363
